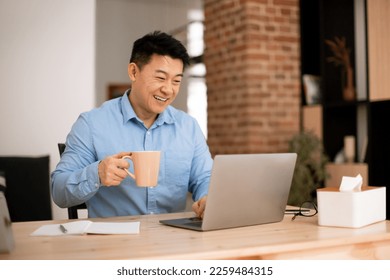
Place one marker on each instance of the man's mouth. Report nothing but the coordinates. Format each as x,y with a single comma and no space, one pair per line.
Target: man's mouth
159,98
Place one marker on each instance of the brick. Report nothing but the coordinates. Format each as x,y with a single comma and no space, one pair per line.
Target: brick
252,61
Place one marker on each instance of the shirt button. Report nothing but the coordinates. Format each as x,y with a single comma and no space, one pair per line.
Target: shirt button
96,185
148,133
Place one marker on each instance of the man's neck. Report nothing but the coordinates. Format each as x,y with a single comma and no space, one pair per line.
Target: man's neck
147,119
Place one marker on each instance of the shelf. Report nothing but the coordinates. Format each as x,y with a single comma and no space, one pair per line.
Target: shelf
339,104
378,24
312,119
336,172
364,25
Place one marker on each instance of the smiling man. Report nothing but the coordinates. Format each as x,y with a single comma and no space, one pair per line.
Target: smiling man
91,169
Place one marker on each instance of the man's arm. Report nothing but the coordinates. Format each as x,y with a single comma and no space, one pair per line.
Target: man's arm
76,178
200,172
79,174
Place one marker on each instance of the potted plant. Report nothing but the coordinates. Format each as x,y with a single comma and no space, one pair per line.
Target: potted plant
341,57
309,173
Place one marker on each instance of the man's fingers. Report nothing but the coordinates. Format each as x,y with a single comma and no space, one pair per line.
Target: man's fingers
199,206
111,170
121,155
195,208
113,179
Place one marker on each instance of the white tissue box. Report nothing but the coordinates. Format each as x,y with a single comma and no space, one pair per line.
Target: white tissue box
351,209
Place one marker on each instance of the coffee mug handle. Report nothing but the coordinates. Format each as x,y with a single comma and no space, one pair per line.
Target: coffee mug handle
128,172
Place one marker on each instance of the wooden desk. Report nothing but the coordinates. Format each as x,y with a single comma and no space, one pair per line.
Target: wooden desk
299,239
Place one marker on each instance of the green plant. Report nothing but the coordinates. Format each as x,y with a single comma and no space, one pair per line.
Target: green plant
309,173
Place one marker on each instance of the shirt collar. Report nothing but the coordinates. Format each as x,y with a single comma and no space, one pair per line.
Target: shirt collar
167,117
127,110
128,113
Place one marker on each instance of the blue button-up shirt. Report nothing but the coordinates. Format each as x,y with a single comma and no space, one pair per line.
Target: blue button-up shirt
185,164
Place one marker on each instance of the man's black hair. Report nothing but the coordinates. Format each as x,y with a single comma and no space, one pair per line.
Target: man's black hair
160,43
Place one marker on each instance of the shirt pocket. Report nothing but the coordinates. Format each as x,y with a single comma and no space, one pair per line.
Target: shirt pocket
177,168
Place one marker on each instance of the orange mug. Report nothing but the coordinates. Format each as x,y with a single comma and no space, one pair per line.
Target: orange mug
146,167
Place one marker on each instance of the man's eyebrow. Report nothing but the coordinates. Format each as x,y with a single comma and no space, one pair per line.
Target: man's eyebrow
165,73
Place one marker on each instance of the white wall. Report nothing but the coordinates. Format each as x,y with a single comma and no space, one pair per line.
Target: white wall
53,67
47,72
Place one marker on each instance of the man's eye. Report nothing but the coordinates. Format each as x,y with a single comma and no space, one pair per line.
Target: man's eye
160,78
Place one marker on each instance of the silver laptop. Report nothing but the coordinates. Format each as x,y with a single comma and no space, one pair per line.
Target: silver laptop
244,190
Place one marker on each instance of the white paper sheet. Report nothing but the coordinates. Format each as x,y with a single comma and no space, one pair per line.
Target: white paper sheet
113,228
88,227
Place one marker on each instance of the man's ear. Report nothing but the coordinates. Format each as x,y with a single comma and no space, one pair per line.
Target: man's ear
132,71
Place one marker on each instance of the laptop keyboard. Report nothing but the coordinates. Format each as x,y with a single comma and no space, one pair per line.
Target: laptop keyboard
195,221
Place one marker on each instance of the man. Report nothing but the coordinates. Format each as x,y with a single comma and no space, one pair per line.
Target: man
91,169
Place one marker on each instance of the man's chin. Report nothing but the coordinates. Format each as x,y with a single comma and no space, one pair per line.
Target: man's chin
160,107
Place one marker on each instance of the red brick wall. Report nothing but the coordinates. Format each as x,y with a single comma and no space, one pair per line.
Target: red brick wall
253,77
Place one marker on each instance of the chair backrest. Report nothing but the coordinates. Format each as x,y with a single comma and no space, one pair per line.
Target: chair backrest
73,210
27,187
61,148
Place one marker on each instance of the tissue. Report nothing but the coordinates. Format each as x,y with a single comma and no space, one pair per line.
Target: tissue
350,204
351,184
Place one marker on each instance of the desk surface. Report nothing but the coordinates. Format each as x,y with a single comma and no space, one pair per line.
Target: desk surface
298,239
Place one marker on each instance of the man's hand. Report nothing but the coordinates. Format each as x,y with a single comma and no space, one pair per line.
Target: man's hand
111,171
199,206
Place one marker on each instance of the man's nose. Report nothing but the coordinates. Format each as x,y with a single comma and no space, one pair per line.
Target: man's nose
167,88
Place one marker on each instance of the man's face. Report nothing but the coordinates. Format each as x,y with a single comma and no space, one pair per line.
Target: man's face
155,86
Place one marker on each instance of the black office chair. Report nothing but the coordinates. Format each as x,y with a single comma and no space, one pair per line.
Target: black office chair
73,210
27,187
